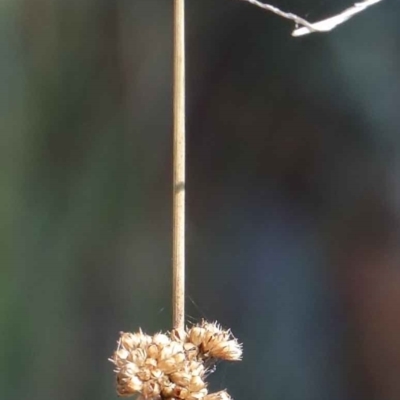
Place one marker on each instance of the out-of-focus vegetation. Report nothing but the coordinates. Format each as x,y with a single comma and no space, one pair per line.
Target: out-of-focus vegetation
293,194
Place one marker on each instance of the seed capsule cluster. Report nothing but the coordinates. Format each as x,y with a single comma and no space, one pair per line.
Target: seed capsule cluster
172,366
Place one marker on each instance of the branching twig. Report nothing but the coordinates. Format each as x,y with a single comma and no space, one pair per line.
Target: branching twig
321,26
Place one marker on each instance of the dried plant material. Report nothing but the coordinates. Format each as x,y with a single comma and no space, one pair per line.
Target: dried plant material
325,25
223,395
219,343
171,367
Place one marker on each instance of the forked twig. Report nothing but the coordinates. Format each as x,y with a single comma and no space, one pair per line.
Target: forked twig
325,25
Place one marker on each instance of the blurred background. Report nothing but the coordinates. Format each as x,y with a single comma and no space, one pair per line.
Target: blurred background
293,194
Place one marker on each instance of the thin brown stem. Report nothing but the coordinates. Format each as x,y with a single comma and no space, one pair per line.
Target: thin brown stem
178,253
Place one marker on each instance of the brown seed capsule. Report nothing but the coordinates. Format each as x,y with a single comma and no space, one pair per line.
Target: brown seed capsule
196,368
181,393
152,351
165,381
196,384
167,366
144,374
213,327
129,340
151,362
207,337
132,341
134,384
128,370
145,340
214,332
181,378
137,356
156,373
168,391
191,350
151,389
176,347
230,351
179,358
196,335
124,391
170,350
121,354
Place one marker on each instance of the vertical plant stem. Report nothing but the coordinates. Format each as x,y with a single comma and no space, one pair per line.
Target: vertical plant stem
178,253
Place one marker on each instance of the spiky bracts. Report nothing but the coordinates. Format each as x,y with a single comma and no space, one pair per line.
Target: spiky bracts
172,366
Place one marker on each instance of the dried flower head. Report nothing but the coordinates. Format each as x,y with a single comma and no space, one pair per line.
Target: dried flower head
171,366
220,343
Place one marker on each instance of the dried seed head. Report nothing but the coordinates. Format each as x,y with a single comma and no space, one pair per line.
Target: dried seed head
219,343
172,368
229,351
196,335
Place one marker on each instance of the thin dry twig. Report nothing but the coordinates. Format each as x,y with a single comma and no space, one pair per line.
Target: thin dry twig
178,251
325,25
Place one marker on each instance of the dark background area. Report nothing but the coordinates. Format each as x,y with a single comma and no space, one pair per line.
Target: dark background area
293,193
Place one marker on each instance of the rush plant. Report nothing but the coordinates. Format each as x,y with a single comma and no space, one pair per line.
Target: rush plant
175,365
